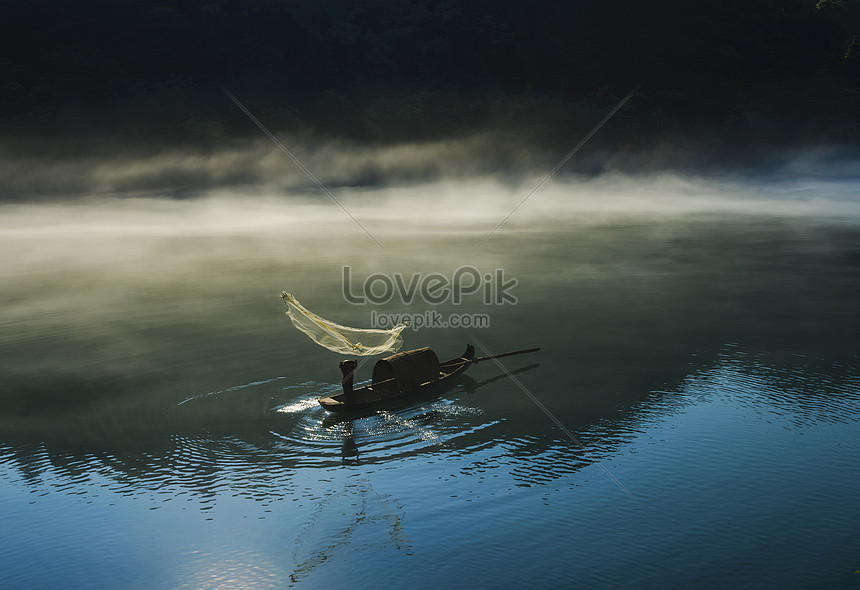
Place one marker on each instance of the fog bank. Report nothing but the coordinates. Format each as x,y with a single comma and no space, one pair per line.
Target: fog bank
32,170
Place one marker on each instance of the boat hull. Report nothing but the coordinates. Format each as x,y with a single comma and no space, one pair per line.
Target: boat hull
374,395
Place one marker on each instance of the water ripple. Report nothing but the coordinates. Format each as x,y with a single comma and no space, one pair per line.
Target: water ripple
259,459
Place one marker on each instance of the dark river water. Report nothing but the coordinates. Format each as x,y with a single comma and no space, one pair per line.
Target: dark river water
691,420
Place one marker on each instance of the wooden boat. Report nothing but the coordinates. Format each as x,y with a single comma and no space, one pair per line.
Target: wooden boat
401,375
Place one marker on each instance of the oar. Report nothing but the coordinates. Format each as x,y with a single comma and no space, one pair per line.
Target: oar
495,356
498,356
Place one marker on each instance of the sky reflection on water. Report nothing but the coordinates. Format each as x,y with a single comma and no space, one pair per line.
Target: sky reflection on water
160,428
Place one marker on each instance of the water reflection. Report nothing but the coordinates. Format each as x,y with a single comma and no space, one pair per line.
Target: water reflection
357,509
349,451
237,569
164,374
258,460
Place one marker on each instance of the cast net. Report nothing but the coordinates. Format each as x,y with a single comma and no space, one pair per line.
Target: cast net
342,339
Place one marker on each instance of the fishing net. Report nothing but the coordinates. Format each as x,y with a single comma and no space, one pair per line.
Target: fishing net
351,341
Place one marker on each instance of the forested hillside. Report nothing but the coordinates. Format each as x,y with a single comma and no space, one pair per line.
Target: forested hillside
381,70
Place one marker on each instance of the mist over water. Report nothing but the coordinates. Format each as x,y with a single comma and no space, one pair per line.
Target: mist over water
698,335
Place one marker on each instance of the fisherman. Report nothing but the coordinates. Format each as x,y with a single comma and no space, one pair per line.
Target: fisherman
348,370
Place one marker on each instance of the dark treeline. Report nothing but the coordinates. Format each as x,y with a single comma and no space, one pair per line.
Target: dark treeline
769,71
